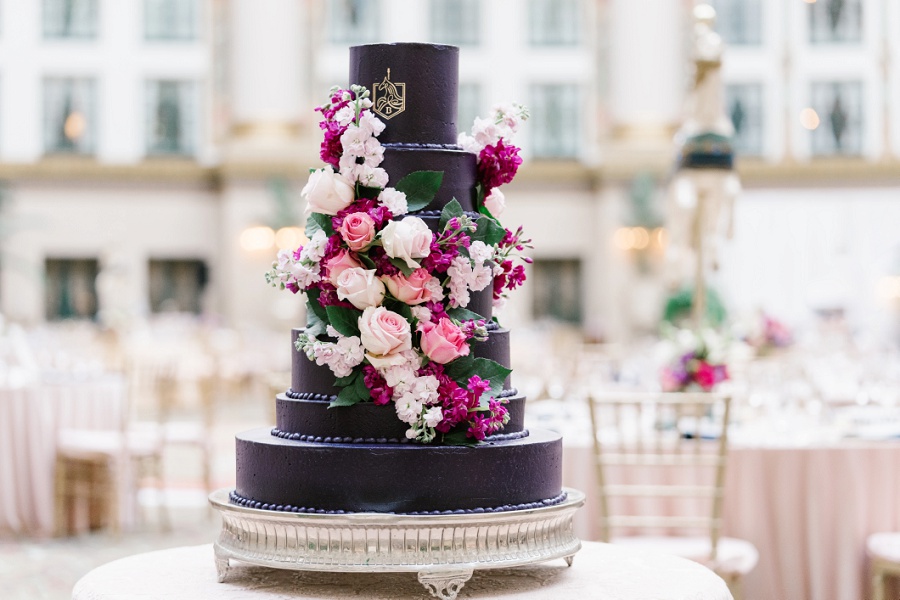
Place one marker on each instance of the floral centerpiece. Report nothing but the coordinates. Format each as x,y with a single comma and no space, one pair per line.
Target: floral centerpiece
770,335
386,295
694,361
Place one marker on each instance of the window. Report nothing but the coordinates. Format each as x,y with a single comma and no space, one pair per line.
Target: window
170,19
835,21
69,125
557,289
353,21
455,21
171,110
71,290
553,125
70,19
743,103
177,285
739,22
554,22
469,106
839,109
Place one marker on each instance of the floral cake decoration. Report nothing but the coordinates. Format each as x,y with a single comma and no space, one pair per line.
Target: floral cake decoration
386,296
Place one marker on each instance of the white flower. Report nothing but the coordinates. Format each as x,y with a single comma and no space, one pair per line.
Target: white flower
425,389
433,416
327,192
345,115
408,409
407,239
480,252
434,287
420,312
314,250
394,201
468,143
370,123
412,433
353,141
495,202
351,350
481,277
304,275
486,132
397,375
460,272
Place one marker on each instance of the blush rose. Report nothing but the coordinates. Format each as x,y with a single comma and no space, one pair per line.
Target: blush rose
358,230
385,335
407,239
410,290
360,287
339,263
327,192
443,341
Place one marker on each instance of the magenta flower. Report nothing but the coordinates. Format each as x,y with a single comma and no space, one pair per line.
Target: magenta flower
497,164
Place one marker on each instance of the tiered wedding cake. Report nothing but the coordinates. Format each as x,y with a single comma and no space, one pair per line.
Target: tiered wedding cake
400,399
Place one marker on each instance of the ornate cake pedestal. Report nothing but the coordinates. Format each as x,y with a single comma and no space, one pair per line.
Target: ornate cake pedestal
443,549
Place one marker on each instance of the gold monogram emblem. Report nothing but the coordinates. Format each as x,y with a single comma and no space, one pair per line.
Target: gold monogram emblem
388,98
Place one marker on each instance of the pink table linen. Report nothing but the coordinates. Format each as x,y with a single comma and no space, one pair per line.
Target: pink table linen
808,510
31,416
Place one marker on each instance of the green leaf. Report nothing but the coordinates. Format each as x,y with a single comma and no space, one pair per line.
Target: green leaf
344,320
420,188
366,261
317,222
489,231
464,314
401,264
348,380
461,370
458,438
312,304
359,386
451,209
347,397
363,191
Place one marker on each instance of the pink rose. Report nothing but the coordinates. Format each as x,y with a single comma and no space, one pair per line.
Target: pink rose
385,335
338,263
358,230
360,287
443,341
327,192
410,290
407,239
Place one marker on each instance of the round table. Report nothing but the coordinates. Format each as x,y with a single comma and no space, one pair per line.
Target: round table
600,571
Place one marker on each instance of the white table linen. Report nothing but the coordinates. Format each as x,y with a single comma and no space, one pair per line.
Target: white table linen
600,571
31,416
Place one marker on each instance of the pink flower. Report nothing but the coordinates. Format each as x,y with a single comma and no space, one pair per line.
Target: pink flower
407,239
385,335
495,202
409,290
358,230
497,164
705,375
338,263
443,341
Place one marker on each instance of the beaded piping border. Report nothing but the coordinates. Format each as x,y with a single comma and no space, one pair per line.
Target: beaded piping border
290,393
239,500
420,145
315,439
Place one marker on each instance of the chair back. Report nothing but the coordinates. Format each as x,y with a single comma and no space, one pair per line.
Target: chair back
660,461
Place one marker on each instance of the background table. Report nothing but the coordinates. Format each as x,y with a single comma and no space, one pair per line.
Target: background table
31,416
808,510
599,571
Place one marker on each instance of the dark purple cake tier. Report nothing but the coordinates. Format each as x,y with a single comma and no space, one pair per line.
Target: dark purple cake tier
413,89
459,168
399,478
306,417
309,378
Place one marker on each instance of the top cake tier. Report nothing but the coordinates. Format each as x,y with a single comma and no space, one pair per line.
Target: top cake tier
413,88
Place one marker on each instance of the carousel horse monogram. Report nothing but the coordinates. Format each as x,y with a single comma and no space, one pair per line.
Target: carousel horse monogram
388,98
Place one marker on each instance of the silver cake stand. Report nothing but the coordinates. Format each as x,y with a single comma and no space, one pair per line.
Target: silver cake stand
443,549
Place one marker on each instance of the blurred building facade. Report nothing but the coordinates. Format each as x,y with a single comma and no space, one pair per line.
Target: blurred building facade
151,149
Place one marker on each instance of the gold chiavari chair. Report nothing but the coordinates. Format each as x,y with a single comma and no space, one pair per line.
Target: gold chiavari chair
884,560
660,460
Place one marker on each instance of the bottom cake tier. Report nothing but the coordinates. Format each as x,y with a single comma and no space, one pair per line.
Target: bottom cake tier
282,474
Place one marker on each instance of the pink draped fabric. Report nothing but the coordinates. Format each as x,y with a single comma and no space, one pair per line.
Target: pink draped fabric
807,510
30,418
